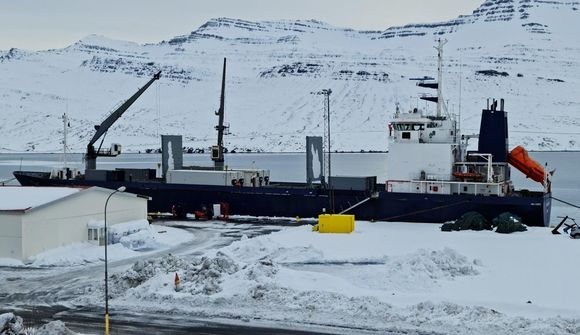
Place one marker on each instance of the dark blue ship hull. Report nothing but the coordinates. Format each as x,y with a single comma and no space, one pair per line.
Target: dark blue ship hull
290,200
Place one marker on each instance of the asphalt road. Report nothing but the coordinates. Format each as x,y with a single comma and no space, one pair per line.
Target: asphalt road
92,322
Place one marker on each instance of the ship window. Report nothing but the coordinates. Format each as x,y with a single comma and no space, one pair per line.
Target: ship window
406,135
464,188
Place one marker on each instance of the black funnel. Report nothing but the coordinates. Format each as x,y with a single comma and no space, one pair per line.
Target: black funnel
493,133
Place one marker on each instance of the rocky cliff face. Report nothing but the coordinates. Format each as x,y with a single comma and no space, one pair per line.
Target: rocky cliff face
525,51
524,12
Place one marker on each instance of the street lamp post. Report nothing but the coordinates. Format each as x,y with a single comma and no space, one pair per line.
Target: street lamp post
120,189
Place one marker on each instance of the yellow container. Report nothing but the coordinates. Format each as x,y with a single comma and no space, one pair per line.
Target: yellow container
336,223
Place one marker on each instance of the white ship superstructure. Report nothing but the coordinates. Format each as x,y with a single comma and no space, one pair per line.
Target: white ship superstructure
428,154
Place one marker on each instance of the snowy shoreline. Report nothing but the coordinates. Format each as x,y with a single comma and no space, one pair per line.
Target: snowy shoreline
392,276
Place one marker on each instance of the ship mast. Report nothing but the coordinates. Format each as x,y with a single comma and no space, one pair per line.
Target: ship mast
217,151
440,101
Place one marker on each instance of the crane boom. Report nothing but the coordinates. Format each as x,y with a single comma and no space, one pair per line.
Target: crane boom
92,154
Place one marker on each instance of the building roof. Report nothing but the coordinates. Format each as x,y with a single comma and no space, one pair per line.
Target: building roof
13,198
27,198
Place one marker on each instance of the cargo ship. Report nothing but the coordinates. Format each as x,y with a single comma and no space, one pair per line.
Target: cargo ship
432,177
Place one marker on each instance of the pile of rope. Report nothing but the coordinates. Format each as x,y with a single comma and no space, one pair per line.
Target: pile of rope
505,223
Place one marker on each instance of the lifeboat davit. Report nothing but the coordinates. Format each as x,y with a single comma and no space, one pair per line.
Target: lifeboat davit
520,159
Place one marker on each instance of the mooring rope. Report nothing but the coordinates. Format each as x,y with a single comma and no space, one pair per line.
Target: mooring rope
425,210
565,202
3,182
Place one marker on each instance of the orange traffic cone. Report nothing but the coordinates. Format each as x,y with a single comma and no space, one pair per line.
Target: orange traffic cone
176,281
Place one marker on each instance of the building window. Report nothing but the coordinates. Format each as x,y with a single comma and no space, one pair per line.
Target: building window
93,234
406,135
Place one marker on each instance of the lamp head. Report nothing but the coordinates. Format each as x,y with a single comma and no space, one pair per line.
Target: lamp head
121,189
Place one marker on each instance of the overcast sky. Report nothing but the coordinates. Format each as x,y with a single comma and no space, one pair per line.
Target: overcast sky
45,24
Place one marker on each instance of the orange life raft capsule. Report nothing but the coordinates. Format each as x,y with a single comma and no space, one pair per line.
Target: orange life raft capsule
520,159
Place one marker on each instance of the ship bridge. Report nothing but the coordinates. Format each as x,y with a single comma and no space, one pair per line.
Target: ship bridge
416,128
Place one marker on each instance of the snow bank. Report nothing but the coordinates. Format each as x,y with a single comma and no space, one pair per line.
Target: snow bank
141,240
142,271
150,239
10,262
384,277
80,254
54,328
120,230
10,324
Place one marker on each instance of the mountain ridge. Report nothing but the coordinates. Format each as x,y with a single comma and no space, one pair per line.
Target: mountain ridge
531,59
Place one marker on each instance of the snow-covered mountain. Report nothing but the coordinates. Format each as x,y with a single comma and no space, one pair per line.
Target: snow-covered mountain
526,51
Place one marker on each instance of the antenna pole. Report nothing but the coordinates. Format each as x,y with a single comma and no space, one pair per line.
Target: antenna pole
460,91
326,164
65,124
326,93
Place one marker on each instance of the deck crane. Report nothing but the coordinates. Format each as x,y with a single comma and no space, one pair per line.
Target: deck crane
92,154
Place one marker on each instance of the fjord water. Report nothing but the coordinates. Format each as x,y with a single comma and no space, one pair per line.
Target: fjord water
292,167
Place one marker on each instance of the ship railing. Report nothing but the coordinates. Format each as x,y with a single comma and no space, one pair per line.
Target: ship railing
448,187
498,170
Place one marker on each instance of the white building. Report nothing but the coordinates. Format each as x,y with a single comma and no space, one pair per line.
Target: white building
35,219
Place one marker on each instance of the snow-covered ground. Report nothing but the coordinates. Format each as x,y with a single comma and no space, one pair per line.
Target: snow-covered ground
383,277
154,239
402,278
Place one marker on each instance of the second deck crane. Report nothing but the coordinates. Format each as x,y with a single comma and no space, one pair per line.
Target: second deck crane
92,154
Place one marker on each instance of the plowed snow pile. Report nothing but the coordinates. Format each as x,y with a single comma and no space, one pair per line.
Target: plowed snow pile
383,277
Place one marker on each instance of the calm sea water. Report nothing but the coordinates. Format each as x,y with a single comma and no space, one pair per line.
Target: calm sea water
292,167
